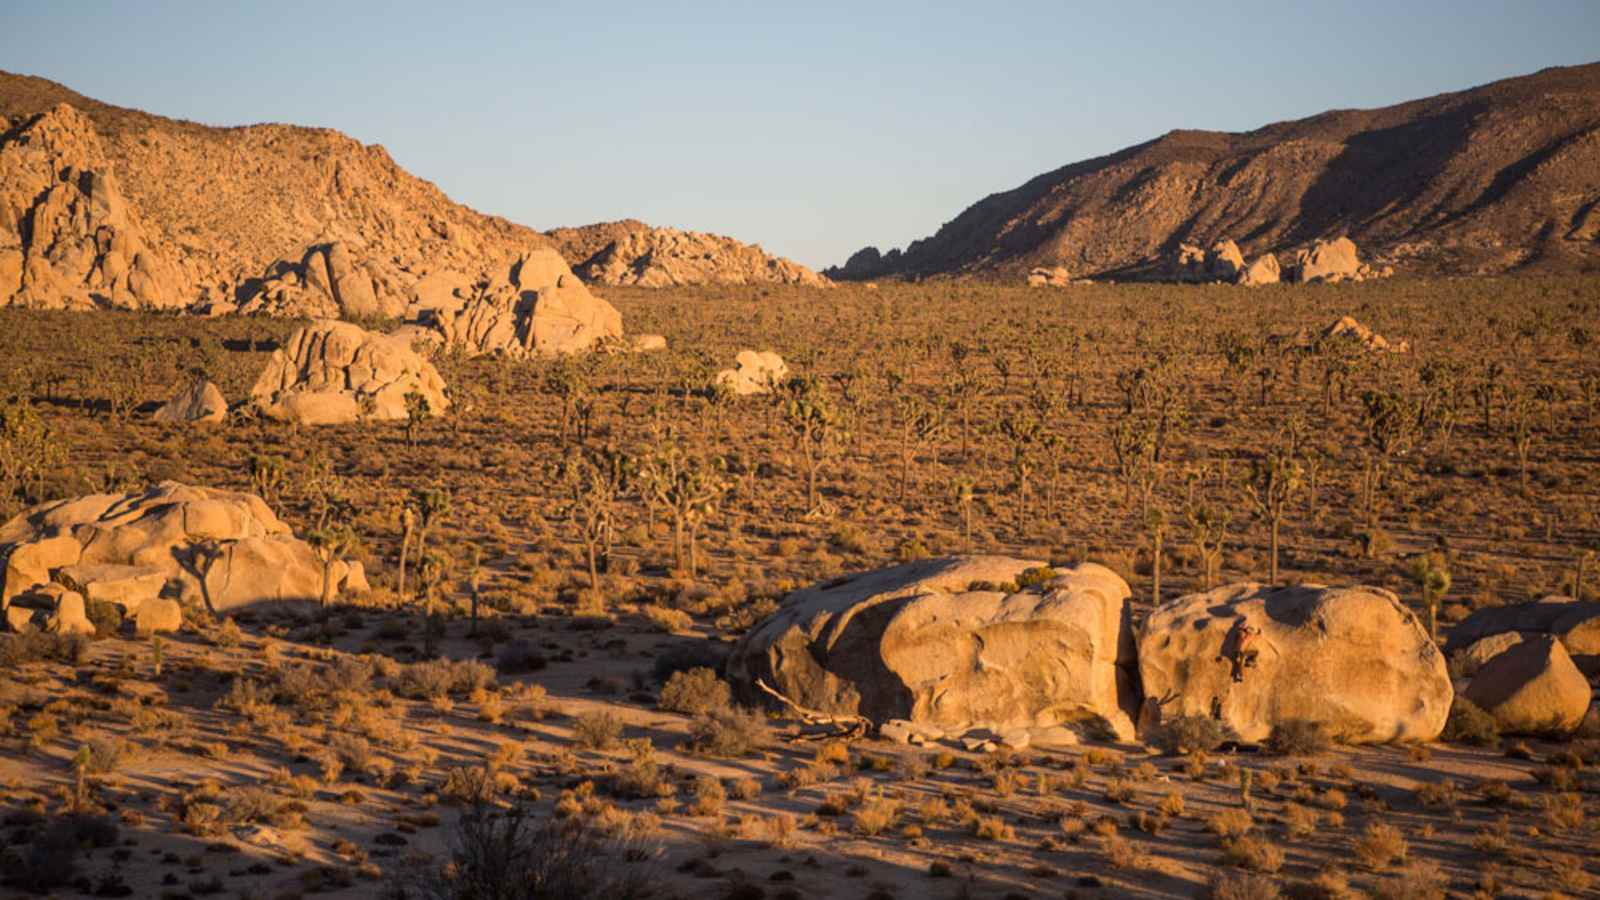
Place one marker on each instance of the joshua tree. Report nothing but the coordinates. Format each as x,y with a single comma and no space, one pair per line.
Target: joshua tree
817,426
1388,420
1133,443
1208,529
28,450
964,490
1022,430
1433,575
408,527
921,424
267,476
961,392
1274,479
331,542
690,487
426,508
418,411
592,483
1520,406
1155,522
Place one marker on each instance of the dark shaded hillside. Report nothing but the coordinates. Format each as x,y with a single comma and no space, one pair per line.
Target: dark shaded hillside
1497,178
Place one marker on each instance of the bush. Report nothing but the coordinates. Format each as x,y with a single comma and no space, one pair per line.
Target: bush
1182,735
728,732
437,678
50,859
597,729
695,692
35,646
518,854
1381,845
1299,737
1242,886
1036,577
519,657
105,616
1470,724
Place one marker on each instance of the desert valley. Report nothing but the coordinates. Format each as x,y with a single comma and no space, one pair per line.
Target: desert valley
1218,517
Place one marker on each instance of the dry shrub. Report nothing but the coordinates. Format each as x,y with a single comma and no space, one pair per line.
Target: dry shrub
597,729
1252,853
695,692
1380,846
1242,886
728,732
1299,737
1182,735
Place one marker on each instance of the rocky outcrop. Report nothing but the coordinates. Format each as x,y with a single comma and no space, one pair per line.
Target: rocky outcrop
533,305
199,401
1347,328
142,211
1222,263
224,550
1576,624
866,263
330,373
1329,261
1351,659
635,254
754,372
69,238
953,644
1532,688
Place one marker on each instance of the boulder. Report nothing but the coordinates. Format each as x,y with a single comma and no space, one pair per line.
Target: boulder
1472,658
1263,271
199,401
1576,624
159,616
129,587
1532,688
1347,328
1329,261
952,644
754,372
70,615
29,564
1224,262
1049,276
1188,263
332,372
223,549
1352,659
331,280
649,343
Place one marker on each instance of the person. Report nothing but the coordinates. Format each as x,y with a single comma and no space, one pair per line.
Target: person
1245,653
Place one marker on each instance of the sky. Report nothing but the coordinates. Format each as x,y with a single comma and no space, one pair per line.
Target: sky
812,128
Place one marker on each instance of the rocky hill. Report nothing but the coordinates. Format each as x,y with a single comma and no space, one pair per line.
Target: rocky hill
1504,177
631,252
102,206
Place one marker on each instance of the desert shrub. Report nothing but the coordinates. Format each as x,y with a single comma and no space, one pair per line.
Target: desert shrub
876,816
436,678
709,796
50,859
1188,734
695,692
519,657
107,754
35,646
105,616
728,732
1252,853
1380,846
1299,737
597,729
1242,886
1418,881
471,785
518,854
1470,724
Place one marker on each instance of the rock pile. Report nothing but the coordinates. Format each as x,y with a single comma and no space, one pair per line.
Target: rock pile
147,552
1532,687
1049,276
951,645
329,282
633,253
754,372
533,305
1332,262
331,372
1348,328
1575,624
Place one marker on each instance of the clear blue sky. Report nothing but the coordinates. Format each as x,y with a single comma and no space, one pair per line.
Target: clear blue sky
813,128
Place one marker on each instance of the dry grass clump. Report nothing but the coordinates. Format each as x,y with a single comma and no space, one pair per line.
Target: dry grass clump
1381,846
597,729
438,678
695,692
729,733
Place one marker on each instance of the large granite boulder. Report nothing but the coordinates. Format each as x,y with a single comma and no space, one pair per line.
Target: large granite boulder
1352,659
1575,624
332,372
198,401
1532,688
1329,261
1264,270
223,549
754,372
952,643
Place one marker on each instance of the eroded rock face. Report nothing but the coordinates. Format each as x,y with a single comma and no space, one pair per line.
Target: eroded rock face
69,239
534,306
199,401
1532,688
330,280
951,644
754,372
635,254
1353,659
222,549
330,373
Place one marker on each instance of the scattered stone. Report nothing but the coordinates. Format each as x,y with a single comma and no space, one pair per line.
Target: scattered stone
158,616
1352,659
1533,688
754,372
1349,329
333,372
647,343
1049,276
69,616
952,643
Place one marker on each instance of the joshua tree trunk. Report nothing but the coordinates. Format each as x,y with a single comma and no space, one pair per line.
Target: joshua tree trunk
1272,553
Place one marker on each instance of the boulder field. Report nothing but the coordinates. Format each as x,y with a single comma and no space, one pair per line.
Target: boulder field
331,372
